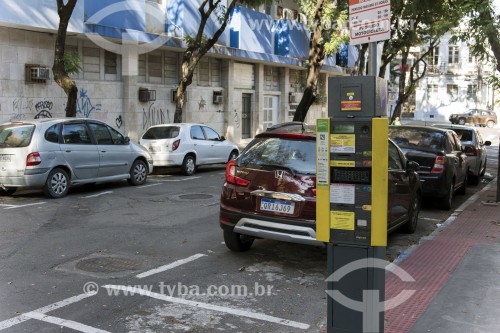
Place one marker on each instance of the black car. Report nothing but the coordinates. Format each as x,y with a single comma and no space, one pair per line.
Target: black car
443,163
270,190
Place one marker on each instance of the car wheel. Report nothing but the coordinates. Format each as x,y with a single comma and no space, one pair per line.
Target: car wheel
189,165
138,173
461,121
237,242
57,184
233,155
411,225
448,198
463,189
7,191
490,123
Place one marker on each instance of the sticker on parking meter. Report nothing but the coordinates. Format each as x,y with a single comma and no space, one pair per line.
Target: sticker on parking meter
342,220
343,143
342,194
322,156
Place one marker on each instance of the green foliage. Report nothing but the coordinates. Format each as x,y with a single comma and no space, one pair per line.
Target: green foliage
72,62
333,21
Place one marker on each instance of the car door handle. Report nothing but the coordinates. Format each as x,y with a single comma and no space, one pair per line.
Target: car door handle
103,151
68,151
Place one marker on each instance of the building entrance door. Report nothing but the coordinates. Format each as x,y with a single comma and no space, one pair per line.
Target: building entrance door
271,111
246,117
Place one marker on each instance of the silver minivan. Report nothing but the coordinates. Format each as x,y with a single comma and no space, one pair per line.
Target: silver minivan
54,154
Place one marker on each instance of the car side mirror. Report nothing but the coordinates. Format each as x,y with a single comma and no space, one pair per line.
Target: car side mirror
412,166
487,143
127,140
222,138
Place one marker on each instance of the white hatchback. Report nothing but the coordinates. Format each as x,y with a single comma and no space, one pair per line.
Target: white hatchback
187,145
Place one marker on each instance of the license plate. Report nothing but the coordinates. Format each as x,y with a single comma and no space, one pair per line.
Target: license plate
5,158
277,206
155,149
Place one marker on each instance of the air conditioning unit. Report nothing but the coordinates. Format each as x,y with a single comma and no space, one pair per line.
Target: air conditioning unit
39,73
291,98
218,97
146,95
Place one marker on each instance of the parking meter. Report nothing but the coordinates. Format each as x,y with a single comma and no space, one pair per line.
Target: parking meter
351,200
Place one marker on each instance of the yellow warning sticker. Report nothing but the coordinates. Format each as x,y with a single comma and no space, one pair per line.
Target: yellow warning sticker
349,164
343,143
342,220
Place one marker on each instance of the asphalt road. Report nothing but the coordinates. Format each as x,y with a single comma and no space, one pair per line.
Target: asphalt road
116,258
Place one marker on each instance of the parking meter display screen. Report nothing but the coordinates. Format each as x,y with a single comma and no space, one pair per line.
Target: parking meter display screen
351,175
343,128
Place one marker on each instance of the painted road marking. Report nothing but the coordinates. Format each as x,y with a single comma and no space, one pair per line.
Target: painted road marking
22,318
21,206
170,266
176,180
63,322
97,195
149,185
212,307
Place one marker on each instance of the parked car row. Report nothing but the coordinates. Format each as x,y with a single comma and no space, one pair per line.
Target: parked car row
269,191
54,154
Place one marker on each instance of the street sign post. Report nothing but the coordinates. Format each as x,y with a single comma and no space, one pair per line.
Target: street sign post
369,21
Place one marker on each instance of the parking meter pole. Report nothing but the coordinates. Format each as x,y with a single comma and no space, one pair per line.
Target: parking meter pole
372,68
351,201
498,174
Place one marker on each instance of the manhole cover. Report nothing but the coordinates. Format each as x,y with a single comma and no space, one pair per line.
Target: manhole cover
195,196
107,265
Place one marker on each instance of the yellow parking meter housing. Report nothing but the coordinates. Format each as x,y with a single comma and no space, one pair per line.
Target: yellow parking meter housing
352,173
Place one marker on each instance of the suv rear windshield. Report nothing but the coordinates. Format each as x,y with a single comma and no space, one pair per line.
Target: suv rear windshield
297,155
417,138
162,132
12,135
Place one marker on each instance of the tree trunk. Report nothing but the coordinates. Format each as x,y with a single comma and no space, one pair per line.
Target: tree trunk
197,48
61,77
316,57
362,60
402,86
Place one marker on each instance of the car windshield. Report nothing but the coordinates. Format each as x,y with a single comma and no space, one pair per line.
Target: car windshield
416,138
161,132
295,155
15,135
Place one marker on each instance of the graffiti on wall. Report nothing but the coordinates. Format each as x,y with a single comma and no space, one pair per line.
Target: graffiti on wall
154,116
84,106
202,104
236,119
119,121
43,109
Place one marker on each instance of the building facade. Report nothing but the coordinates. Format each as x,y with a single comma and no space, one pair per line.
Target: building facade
131,53
455,82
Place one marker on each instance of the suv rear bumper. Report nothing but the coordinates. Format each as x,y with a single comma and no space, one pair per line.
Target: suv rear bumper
268,229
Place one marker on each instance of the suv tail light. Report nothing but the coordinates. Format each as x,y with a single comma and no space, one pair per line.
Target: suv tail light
439,164
176,144
231,175
33,159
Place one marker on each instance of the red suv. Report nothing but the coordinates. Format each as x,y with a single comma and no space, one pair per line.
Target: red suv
270,189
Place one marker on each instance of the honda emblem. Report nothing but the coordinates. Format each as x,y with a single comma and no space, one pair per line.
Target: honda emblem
279,174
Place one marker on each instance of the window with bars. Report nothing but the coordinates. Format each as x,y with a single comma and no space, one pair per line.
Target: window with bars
472,92
432,91
453,54
209,73
110,63
435,56
452,91
271,78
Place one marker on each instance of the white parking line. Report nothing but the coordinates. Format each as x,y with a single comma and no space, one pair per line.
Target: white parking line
170,266
176,180
212,307
148,185
22,318
97,195
21,206
63,322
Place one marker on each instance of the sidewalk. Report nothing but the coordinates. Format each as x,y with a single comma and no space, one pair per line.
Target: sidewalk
456,272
